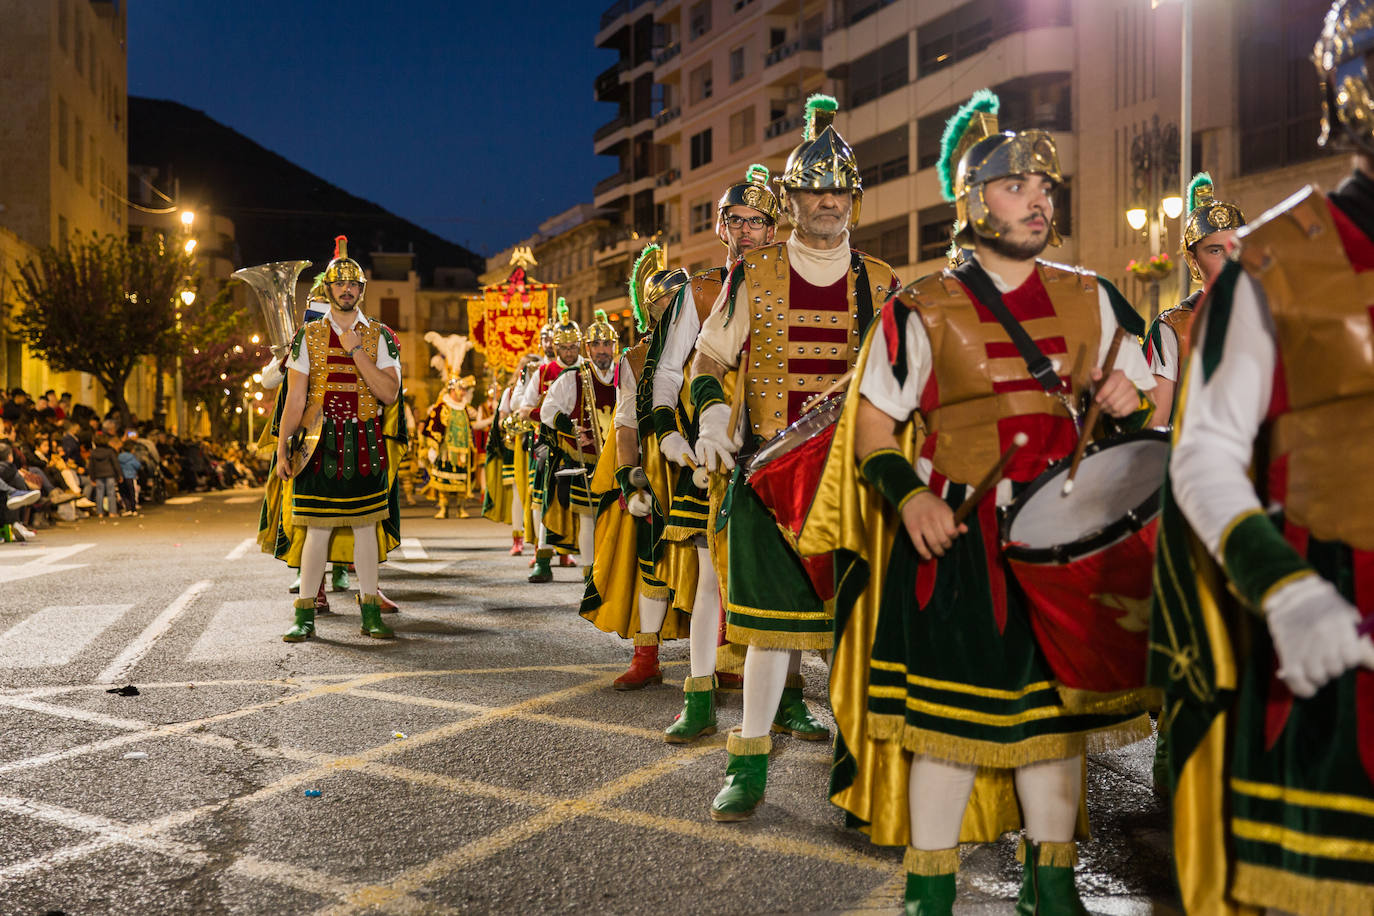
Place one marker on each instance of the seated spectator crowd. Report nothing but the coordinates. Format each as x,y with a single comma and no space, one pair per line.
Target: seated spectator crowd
61,461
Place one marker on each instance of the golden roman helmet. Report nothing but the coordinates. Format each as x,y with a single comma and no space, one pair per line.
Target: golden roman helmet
752,192
823,159
565,330
601,330
1347,97
652,284
343,268
973,151
1206,214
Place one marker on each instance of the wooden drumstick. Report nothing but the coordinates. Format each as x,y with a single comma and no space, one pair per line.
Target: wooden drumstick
700,476
1094,411
829,390
990,480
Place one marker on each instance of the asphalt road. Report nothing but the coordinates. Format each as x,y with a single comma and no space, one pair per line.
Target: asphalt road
478,763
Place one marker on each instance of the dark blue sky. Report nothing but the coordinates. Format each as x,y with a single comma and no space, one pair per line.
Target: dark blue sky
473,119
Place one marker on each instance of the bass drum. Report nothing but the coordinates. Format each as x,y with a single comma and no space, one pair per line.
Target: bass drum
1085,561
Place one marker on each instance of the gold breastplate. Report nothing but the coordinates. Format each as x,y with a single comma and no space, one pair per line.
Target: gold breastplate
327,376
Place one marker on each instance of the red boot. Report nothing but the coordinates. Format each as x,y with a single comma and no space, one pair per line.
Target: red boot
727,681
388,606
643,669
517,546
565,559
322,602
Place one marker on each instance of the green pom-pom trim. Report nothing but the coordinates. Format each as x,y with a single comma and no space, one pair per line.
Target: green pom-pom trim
1200,180
815,103
757,174
982,100
637,306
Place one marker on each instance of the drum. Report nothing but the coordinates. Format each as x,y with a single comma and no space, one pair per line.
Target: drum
786,472
1085,560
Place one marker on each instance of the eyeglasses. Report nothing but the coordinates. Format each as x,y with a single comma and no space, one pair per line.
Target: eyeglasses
756,222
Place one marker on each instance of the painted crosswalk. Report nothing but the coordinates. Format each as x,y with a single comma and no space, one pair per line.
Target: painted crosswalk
18,563
56,635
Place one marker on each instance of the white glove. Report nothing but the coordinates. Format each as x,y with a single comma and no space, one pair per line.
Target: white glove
674,448
716,447
271,374
1313,629
639,505
433,455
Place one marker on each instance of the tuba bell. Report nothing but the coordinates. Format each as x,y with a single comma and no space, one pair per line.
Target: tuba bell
275,284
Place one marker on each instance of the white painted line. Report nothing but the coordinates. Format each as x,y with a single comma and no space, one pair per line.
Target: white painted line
182,500
241,549
245,630
38,561
239,500
426,567
412,549
56,635
135,651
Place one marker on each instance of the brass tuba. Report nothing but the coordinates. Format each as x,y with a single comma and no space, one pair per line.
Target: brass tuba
275,285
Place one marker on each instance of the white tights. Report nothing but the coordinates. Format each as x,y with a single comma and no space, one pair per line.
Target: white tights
517,509
939,791
705,616
586,542
315,553
765,675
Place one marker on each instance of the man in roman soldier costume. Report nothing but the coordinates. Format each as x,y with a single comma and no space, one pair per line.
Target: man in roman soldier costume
628,590
343,372
746,219
515,465
938,681
531,400
498,468
1207,236
1265,562
451,446
575,421
790,320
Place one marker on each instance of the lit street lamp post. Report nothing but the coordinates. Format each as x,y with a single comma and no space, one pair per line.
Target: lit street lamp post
1155,198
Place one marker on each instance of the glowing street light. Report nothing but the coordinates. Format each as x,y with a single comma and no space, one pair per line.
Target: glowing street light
1173,206
188,296
1135,218
187,218
190,245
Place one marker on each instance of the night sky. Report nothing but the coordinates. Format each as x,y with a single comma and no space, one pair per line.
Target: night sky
472,119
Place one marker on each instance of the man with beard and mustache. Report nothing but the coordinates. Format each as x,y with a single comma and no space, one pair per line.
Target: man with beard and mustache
793,316
346,369
938,678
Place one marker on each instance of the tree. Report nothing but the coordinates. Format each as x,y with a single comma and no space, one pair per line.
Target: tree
101,304
219,355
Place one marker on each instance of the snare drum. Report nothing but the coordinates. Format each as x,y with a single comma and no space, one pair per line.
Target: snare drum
1085,560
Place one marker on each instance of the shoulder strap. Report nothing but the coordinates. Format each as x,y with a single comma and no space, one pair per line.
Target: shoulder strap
863,293
971,274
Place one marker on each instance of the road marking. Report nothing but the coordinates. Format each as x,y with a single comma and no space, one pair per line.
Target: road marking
56,634
239,500
135,651
244,630
423,567
412,549
182,500
241,549
39,561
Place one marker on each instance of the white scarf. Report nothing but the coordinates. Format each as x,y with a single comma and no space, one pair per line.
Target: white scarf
817,267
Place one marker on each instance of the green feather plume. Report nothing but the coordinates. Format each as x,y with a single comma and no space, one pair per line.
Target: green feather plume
600,315
982,100
758,174
814,105
640,313
1201,181
562,310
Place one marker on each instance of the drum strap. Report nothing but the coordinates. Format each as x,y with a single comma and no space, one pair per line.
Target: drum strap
971,274
863,293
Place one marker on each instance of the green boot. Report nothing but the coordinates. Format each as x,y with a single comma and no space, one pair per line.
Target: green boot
698,716
295,588
1047,887
305,622
370,607
794,716
930,881
338,579
543,571
746,777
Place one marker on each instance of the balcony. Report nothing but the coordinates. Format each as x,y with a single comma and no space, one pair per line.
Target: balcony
667,115
607,184
787,49
781,126
605,130
667,177
618,9
607,84
663,55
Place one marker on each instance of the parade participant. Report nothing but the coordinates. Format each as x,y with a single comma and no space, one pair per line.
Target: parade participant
514,426
451,447
538,449
938,681
792,316
1207,236
575,421
405,467
481,435
1266,552
746,219
343,369
498,469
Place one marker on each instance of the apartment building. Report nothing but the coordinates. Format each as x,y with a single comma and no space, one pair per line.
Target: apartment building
726,81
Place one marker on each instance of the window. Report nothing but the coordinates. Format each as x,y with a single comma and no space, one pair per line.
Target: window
887,240
776,37
79,154
851,11
737,65
700,82
958,34
1281,107
742,129
699,19
878,73
62,233
390,313
703,217
1063,208
884,157
1042,101
701,148
934,229
79,44
62,132
929,131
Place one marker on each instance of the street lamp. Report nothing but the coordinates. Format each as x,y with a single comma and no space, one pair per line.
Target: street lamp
188,296
1155,199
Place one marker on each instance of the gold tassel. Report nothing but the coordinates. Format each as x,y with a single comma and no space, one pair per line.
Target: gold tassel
646,639
1052,855
795,680
1088,701
778,639
1032,750
748,747
302,603
931,861
699,684
1261,886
